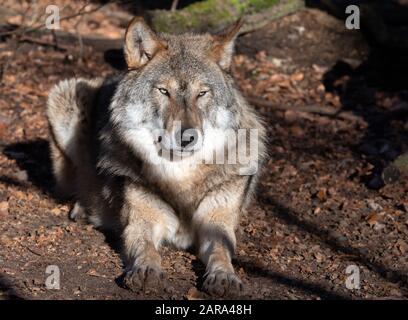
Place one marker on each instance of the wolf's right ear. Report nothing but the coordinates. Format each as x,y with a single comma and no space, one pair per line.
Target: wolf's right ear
223,46
141,43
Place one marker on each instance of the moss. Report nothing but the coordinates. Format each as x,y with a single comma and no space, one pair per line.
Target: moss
258,5
402,162
207,14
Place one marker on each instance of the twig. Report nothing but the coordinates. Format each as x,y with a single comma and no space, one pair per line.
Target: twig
4,66
54,44
31,250
80,41
97,42
174,5
65,39
330,112
54,38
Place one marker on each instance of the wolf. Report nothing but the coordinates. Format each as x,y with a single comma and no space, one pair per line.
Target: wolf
129,149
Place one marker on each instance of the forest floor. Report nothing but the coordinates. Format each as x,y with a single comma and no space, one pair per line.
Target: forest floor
321,204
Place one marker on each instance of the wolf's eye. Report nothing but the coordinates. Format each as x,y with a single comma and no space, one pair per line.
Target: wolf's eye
201,94
164,91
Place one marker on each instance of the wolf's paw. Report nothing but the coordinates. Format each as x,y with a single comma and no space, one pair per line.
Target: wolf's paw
220,283
144,278
77,213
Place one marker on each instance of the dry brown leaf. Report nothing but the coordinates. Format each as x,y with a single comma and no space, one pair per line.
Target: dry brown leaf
322,194
15,20
402,246
56,211
4,209
297,131
94,273
193,294
319,257
299,76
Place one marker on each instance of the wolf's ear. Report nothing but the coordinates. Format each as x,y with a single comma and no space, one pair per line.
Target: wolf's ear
223,46
141,43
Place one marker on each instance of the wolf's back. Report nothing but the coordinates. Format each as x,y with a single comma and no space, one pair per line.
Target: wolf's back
69,109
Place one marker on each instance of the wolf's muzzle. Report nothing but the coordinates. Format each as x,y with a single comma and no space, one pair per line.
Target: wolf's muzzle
180,143
187,139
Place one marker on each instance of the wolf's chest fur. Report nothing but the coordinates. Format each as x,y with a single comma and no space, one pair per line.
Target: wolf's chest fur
181,184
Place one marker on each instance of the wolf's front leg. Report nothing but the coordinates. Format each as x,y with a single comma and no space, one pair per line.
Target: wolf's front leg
147,222
215,223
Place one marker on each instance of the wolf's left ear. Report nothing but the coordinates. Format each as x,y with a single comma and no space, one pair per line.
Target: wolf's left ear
141,43
222,49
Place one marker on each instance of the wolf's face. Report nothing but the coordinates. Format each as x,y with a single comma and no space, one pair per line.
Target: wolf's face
177,99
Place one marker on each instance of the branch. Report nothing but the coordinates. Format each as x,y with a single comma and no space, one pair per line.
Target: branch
62,40
25,30
324,111
40,42
174,5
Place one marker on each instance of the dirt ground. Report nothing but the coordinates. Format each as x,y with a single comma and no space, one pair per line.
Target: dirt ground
321,204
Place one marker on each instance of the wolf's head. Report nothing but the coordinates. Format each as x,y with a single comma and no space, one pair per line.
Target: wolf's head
177,95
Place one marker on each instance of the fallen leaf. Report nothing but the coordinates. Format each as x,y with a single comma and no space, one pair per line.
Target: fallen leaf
297,131
317,210
373,205
322,194
4,206
17,20
372,219
56,211
193,294
319,257
402,246
297,76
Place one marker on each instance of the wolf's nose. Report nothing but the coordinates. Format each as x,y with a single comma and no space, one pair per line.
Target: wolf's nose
186,137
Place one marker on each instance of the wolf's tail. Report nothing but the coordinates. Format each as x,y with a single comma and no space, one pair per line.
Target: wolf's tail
69,107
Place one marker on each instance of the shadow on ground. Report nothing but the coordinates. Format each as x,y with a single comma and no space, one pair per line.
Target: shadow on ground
362,90
300,284
290,217
33,157
7,290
